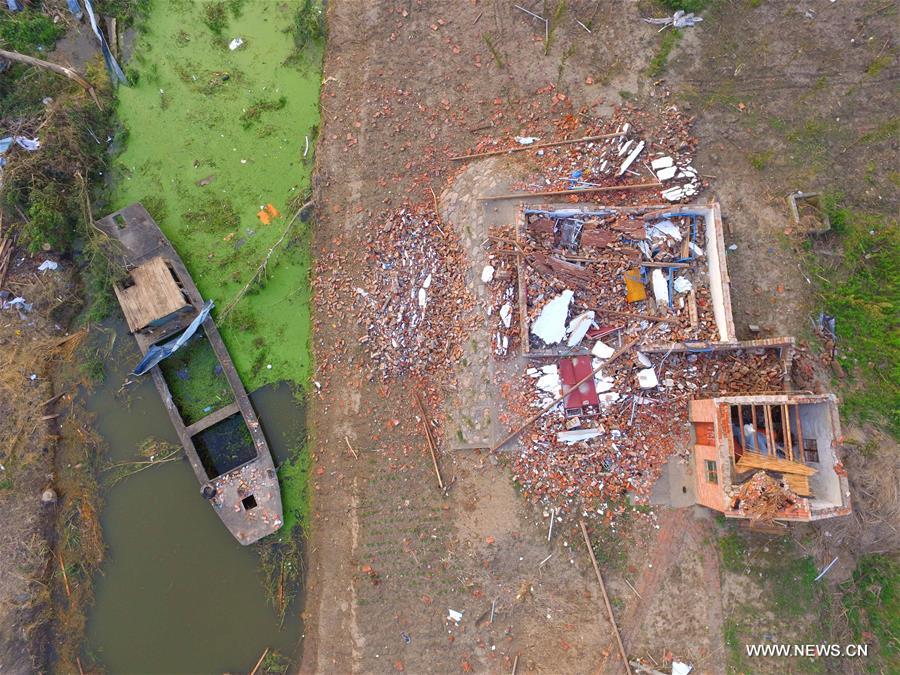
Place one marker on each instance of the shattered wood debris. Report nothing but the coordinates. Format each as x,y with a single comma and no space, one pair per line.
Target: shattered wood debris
762,497
632,265
590,464
412,299
630,148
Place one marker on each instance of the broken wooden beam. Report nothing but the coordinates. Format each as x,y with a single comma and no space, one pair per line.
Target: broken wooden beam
612,619
56,68
537,146
432,446
560,193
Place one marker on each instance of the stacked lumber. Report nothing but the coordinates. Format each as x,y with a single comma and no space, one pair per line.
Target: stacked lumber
798,484
754,460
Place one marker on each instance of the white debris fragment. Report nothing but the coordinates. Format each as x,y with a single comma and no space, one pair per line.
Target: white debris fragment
665,228
453,615
682,284
697,250
679,668
667,173
526,140
579,326
487,274
602,350
427,282
506,314
423,298
548,380
662,163
647,378
624,147
236,43
660,286
633,156
603,383
733,247
47,265
550,326
608,398
644,360
576,435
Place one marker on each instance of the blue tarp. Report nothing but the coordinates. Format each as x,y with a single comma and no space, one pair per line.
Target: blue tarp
157,353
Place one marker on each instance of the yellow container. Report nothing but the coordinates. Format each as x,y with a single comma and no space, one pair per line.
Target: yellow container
634,287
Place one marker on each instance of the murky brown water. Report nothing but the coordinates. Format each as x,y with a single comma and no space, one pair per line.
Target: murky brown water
177,594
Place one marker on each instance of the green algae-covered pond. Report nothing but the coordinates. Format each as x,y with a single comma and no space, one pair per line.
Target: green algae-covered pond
214,136
216,149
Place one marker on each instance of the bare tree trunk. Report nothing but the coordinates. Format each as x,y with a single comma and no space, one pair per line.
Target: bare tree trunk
56,68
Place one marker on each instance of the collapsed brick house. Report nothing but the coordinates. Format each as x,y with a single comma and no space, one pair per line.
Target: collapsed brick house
793,437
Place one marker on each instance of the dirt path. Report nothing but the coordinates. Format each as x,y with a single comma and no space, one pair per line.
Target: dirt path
389,555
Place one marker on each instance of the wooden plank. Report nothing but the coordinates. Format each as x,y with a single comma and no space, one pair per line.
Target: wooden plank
770,430
213,418
786,429
754,460
798,484
538,146
154,294
741,424
561,193
523,291
612,618
800,433
755,427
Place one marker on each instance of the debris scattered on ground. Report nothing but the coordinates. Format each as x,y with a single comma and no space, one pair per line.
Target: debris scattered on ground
679,19
412,297
762,497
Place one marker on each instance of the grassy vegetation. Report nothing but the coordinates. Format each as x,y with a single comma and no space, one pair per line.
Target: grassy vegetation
872,602
667,43
861,288
28,32
789,604
695,6
293,476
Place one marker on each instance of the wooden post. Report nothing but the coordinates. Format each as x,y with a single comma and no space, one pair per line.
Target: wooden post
259,663
786,430
770,431
755,427
561,193
741,426
800,434
56,68
539,146
612,619
432,446
522,288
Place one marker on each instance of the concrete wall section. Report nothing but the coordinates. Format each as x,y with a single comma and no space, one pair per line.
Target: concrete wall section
719,282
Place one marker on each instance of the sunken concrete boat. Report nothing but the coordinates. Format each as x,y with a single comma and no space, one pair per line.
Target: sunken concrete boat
225,446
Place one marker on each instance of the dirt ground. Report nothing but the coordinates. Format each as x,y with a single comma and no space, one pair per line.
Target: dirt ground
783,102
